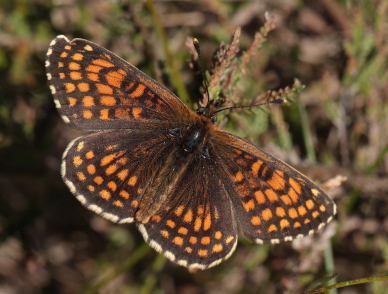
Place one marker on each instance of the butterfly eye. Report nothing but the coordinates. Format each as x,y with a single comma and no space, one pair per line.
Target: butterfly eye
176,132
214,118
201,110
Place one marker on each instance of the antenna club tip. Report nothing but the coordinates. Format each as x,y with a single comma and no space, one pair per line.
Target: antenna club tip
195,40
285,100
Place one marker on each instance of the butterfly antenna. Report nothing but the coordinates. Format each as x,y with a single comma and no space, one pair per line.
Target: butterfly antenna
197,48
276,101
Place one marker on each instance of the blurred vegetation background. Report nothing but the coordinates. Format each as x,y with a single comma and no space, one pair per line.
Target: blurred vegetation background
337,128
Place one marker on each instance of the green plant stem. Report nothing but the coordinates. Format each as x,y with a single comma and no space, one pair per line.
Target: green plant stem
329,265
372,168
152,277
125,266
308,141
348,283
173,70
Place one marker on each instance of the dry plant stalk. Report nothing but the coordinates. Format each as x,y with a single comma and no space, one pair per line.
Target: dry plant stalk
229,65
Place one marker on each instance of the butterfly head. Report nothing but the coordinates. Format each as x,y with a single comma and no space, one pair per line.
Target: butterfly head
210,110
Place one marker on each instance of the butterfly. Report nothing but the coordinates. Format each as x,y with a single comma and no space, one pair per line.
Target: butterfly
147,159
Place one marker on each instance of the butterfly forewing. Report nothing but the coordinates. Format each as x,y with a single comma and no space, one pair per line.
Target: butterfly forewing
95,89
273,202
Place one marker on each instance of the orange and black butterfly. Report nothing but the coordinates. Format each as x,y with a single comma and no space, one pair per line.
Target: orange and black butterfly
149,159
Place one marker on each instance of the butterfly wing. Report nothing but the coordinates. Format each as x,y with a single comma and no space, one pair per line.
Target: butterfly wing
273,202
107,171
95,89
197,229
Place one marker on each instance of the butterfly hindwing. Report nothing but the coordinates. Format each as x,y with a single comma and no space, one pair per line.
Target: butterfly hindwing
273,202
197,228
107,171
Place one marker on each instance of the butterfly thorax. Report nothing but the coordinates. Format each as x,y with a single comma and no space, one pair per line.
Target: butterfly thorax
193,139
